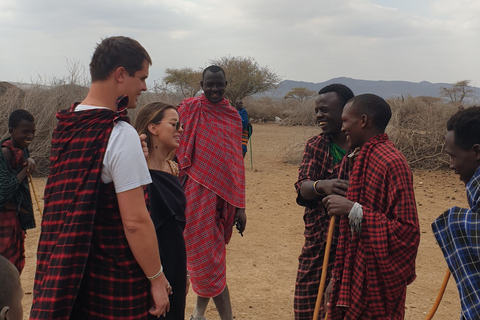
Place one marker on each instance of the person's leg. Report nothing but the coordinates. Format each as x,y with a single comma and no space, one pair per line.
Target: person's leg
200,308
223,304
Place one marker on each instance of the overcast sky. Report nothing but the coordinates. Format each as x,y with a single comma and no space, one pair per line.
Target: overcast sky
305,40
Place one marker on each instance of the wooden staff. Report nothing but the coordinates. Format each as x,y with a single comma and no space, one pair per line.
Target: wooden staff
35,194
318,303
439,297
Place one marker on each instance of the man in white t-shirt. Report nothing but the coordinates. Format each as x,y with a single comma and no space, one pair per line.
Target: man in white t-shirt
98,256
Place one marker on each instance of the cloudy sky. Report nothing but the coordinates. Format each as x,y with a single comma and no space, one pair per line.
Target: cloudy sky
305,40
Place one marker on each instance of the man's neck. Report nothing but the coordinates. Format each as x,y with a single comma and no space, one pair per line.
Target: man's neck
340,140
101,94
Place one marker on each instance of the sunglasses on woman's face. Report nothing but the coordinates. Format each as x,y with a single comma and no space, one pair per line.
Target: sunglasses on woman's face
177,124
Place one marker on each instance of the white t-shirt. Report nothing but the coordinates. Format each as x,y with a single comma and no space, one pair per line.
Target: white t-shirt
124,162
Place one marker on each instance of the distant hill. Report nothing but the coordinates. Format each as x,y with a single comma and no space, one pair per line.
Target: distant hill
385,89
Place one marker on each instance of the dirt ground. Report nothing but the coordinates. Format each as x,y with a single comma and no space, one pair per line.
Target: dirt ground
262,264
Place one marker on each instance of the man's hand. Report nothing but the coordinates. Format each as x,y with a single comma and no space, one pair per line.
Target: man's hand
160,290
240,219
31,166
327,295
337,205
143,140
333,186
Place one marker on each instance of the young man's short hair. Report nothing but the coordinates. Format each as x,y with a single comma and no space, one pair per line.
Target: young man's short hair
213,69
343,92
17,116
115,52
374,107
465,125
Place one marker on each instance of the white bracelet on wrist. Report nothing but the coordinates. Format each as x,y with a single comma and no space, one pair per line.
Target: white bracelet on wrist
159,273
356,216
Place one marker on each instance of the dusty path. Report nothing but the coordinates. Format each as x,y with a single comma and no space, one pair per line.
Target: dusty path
262,264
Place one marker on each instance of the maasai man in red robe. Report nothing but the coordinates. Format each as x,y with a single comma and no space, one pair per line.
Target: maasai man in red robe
317,178
211,164
98,247
379,229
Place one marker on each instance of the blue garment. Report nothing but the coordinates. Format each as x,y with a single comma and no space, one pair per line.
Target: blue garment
458,234
244,115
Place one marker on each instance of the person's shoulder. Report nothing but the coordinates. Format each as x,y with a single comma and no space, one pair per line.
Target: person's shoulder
389,156
124,129
7,154
124,126
190,101
316,140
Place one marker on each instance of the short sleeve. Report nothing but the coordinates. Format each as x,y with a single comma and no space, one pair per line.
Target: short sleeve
124,161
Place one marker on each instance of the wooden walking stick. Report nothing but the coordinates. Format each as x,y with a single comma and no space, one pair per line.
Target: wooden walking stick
251,150
439,297
35,194
331,228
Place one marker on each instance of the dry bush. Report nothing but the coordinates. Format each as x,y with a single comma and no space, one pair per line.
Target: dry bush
302,113
418,128
265,108
44,101
292,153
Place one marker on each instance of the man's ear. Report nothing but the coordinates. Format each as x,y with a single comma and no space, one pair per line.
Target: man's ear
4,313
120,74
364,120
201,83
226,82
476,150
10,130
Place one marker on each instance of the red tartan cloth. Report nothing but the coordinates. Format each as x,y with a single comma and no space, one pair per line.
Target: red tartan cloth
373,269
210,149
208,229
18,157
12,239
85,268
210,154
317,164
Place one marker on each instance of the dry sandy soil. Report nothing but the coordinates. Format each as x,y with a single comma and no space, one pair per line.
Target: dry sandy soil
262,264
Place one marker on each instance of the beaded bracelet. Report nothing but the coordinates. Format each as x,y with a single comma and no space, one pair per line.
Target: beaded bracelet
159,273
315,188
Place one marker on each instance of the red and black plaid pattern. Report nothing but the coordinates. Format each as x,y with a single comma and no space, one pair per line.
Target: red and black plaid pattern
210,154
317,164
208,229
210,149
373,269
12,239
82,251
18,157
113,286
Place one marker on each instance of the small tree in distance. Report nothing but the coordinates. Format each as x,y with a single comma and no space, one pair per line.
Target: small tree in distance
245,77
457,92
185,81
300,94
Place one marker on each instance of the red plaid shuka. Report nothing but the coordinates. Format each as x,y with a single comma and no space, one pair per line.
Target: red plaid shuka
373,269
317,164
85,268
210,158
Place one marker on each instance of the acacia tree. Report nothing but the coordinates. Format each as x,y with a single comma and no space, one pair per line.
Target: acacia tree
185,80
457,92
245,77
300,94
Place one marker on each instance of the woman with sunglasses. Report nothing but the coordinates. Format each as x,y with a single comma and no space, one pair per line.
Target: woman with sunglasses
165,197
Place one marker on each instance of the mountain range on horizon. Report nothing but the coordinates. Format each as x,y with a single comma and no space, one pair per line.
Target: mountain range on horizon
383,88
